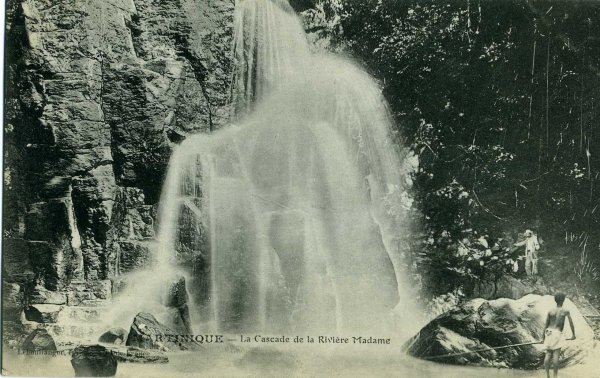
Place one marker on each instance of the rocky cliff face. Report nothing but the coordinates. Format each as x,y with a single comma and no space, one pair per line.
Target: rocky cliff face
98,93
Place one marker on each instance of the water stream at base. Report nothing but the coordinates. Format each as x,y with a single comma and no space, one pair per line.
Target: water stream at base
316,362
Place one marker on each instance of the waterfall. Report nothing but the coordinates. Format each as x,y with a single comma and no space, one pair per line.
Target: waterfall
268,44
290,219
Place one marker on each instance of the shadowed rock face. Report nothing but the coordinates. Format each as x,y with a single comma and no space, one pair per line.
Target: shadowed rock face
99,94
481,324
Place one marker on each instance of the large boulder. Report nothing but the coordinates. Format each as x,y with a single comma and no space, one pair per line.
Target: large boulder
39,340
481,324
148,333
93,361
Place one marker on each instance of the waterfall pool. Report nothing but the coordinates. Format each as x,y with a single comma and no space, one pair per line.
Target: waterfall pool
293,361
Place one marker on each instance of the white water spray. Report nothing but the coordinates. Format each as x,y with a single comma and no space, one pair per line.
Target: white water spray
289,220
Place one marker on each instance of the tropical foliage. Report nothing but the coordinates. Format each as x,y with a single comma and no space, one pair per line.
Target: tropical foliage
499,100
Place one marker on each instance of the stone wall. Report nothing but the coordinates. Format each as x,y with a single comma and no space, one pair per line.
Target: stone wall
98,94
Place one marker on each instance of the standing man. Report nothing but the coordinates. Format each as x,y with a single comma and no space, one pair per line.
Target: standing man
531,247
553,333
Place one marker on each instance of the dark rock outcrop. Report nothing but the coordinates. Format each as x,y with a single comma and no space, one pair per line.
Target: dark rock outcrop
99,93
148,333
176,294
13,333
12,302
93,361
505,286
176,301
481,324
511,287
39,340
302,5
16,267
43,313
114,336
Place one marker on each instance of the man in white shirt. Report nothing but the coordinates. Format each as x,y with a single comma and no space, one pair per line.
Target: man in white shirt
531,247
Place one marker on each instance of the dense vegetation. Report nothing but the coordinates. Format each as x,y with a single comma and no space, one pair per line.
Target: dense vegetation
499,99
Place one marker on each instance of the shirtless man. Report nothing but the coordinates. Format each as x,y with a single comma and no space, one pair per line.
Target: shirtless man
553,333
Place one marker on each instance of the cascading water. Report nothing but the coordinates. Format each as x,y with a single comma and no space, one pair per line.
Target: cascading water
268,47
289,220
